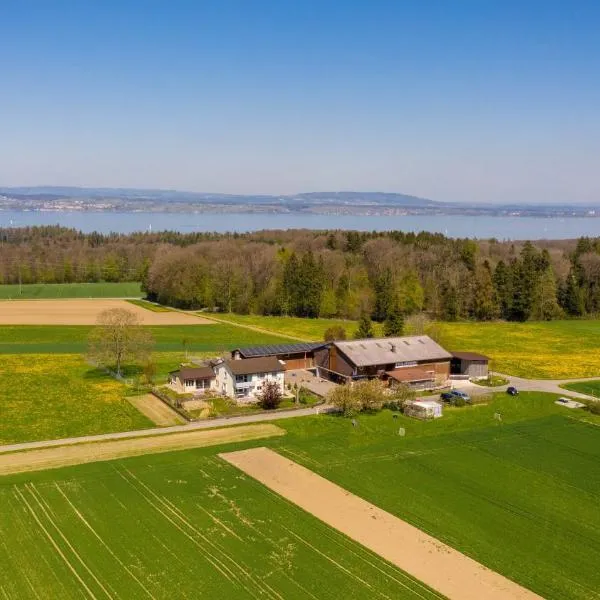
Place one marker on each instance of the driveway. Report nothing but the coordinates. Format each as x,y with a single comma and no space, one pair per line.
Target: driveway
526,385
317,385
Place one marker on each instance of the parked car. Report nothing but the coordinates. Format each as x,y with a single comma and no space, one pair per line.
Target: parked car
512,391
452,395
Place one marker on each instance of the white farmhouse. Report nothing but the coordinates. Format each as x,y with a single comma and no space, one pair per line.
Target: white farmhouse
243,379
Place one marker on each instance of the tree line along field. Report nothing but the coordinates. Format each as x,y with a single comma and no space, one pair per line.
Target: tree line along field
186,521
518,496
30,291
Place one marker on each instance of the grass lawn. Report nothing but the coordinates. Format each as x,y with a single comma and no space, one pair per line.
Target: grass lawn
44,339
550,349
71,290
303,329
519,496
54,396
591,388
177,525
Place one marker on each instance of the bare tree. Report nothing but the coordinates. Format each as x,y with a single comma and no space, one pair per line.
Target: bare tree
119,338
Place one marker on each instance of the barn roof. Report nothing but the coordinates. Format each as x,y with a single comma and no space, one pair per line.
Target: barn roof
385,351
410,374
276,349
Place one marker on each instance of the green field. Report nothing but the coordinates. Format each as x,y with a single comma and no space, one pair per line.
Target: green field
216,338
519,496
71,290
303,329
54,396
179,525
545,350
591,388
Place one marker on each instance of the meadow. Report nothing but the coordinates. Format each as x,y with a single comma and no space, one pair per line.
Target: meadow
54,396
544,350
183,525
71,290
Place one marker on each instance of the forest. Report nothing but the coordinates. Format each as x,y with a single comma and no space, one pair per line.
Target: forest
321,273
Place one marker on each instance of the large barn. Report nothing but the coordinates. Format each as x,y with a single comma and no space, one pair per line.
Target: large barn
414,360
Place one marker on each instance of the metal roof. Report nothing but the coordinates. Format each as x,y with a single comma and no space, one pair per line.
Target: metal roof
194,373
276,349
392,350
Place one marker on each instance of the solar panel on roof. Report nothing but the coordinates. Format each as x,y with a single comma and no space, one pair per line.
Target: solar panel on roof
279,349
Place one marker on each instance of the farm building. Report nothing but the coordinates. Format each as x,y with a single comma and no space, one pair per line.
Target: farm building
415,360
423,409
244,378
469,364
193,380
295,356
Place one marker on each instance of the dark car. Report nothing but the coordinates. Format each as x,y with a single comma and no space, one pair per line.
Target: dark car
453,395
512,391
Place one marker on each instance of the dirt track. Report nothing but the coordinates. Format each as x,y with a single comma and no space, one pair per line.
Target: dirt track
61,456
83,312
434,563
156,410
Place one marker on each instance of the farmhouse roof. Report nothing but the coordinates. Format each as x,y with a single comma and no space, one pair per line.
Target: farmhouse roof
409,374
276,349
470,356
195,373
385,351
248,366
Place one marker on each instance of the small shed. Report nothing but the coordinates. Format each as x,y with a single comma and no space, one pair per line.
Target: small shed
423,409
416,377
470,364
192,379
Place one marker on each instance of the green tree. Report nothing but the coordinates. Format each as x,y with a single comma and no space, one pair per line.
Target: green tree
411,294
384,295
365,327
544,303
485,306
504,288
393,326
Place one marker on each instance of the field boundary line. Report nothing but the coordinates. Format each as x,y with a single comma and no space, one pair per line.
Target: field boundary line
435,564
253,328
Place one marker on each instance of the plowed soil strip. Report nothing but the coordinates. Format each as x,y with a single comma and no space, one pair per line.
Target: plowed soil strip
53,458
84,312
434,563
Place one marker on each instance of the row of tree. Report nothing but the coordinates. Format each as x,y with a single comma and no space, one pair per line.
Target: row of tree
387,275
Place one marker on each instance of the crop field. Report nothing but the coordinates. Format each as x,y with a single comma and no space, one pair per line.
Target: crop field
53,396
185,525
519,496
43,339
545,350
71,290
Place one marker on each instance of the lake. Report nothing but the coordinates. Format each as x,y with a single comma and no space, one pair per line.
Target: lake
502,228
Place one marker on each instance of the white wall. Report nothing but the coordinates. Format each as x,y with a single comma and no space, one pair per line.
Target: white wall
226,382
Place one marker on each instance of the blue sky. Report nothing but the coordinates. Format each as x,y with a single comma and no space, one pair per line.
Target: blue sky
482,100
